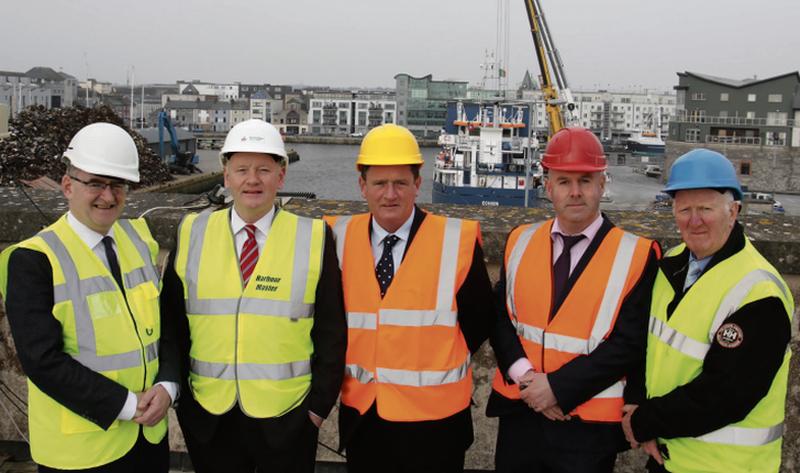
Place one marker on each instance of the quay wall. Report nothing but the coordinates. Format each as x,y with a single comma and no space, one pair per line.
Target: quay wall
776,236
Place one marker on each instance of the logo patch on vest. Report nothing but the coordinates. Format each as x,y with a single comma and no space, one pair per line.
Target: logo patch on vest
730,335
267,283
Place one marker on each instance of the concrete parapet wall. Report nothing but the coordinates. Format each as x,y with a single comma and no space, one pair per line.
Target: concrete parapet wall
772,168
775,236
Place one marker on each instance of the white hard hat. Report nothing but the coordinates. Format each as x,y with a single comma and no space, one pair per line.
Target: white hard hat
253,136
106,150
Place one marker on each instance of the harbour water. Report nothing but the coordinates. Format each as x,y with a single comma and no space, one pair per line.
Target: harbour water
329,172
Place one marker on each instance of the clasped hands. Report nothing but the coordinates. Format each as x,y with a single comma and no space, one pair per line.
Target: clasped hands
152,405
650,447
536,393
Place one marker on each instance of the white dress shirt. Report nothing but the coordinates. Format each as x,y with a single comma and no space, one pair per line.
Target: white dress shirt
262,225
378,234
94,241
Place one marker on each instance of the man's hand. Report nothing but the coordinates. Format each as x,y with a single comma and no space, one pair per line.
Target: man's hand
651,448
317,420
525,379
627,412
538,395
555,413
153,405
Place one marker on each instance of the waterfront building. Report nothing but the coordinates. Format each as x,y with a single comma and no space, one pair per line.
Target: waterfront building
754,122
422,102
38,86
614,116
221,90
292,118
346,113
207,115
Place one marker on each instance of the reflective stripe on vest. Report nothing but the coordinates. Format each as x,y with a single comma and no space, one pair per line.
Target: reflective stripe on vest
409,377
295,308
744,436
339,230
77,291
513,265
730,303
251,371
605,313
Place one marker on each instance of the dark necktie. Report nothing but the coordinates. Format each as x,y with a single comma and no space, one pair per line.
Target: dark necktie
384,271
561,268
249,256
113,263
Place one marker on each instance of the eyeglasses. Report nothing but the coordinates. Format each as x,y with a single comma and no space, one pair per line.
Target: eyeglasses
97,187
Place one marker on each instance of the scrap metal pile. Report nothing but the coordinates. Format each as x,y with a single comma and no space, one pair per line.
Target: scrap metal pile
39,136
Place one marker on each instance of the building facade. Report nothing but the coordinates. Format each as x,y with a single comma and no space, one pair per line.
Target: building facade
754,122
614,116
350,113
422,102
38,86
222,91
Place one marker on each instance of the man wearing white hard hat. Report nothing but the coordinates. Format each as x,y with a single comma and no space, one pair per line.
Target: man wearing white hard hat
717,349
256,295
82,300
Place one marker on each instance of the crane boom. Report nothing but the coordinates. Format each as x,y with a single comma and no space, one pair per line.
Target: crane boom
555,93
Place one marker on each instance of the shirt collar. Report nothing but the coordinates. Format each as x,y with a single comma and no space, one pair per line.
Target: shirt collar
263,224
86,234
589,232
402,233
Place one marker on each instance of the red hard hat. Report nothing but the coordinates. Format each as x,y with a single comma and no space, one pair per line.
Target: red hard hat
574,149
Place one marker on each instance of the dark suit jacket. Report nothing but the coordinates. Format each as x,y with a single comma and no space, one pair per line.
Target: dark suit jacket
39,341
580,379
476,317
329,337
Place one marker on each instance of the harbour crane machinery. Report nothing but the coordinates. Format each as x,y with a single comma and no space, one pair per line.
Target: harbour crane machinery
179,162
559,102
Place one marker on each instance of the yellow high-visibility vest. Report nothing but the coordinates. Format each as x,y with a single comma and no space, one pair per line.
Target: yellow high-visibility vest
101,333
677,347
252,343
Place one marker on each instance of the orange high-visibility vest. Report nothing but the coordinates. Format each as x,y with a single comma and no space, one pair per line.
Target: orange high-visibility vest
585,318
406,351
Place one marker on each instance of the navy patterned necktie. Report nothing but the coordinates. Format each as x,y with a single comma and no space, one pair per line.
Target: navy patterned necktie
384,270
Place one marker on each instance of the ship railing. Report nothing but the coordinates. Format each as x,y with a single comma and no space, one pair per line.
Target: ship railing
713,120
734,140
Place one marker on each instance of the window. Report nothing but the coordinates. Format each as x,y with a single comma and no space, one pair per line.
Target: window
775,98
698,96
751,115
751,97
723,97
692,135
744,168
776,118
775,138
723,114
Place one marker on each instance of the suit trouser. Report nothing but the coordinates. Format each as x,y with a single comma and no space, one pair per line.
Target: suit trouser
143,457
239,445
523,445
381,445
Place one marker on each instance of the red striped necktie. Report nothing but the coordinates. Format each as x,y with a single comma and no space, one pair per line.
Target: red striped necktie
249,256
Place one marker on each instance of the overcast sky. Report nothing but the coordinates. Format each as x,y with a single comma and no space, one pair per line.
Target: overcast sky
617,44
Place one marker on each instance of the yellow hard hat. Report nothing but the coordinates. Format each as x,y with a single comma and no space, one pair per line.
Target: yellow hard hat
388,145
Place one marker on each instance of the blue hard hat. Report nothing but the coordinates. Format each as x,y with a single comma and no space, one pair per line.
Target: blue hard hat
703,169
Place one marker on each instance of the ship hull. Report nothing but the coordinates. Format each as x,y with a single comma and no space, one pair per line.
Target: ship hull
485,196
